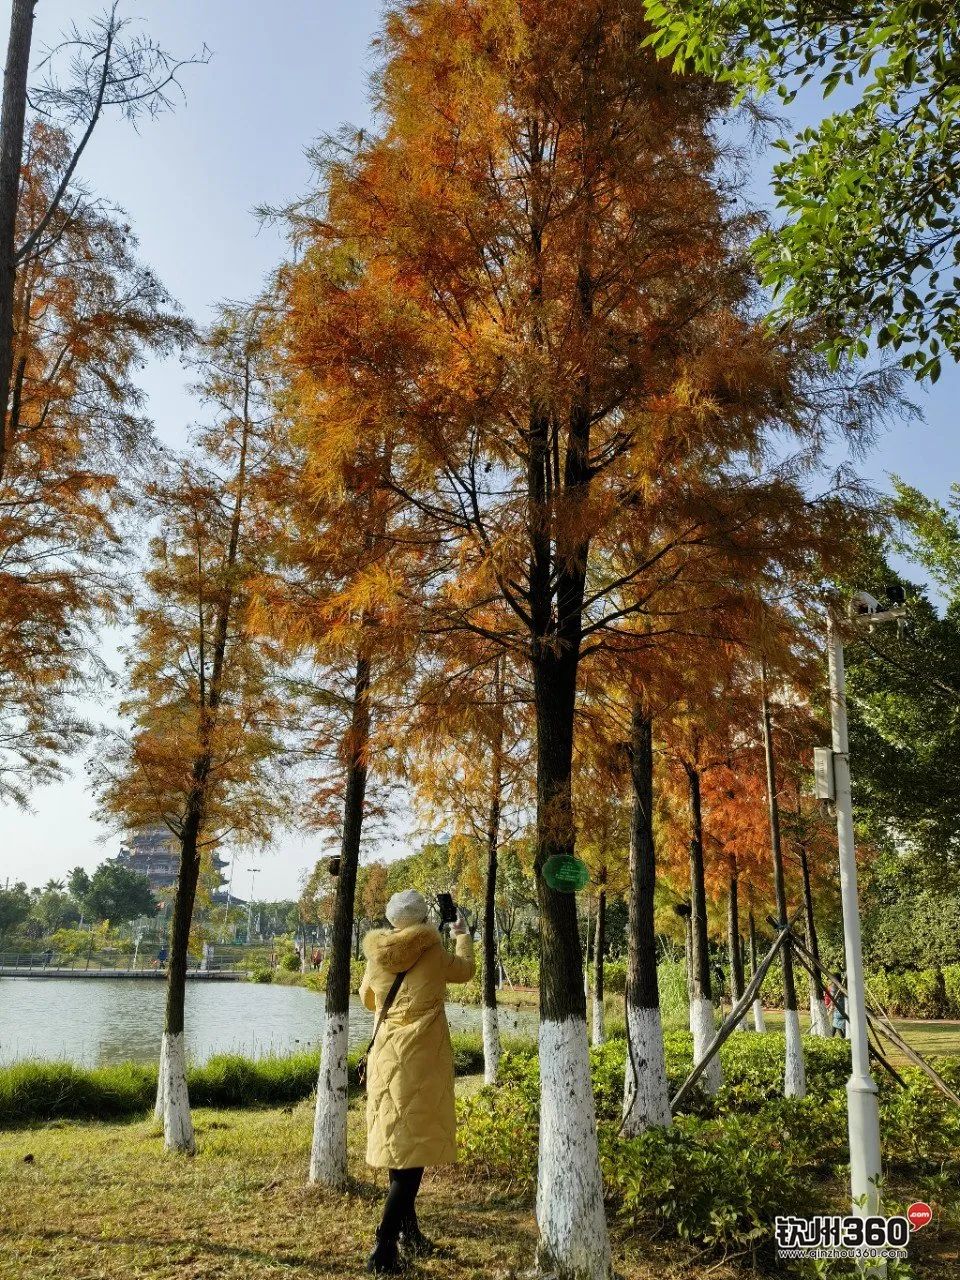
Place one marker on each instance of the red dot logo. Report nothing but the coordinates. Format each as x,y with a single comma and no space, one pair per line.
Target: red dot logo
919,1214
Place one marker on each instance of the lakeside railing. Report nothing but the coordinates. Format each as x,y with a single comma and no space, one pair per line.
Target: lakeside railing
134,962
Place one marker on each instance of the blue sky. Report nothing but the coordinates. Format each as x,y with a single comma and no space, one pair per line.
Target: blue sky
281,75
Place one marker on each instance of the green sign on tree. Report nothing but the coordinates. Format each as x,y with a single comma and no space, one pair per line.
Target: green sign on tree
565,873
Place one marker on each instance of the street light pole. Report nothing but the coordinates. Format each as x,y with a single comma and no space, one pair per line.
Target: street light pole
863,1117
253,872
226,909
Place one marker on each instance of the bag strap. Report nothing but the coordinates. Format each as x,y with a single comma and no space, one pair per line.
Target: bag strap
391,996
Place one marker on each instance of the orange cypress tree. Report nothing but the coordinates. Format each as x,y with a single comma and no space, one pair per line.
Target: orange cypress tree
603,817
205,708
548,304
736,827
332,595
700,738
74,435
466,739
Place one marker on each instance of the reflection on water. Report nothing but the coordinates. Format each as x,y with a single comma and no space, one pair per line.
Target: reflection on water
91,1021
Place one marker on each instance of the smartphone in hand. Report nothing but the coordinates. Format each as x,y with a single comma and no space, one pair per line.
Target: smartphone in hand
447,908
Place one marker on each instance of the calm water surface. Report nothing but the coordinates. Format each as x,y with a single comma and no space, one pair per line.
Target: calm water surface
90,1021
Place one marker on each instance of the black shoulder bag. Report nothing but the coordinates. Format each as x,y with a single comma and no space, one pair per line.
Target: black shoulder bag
391,996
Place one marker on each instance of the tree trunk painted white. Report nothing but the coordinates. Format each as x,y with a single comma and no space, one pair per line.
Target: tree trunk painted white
704,1023
177,1121
328,1152
794,1082
161,1083
491,1044
794,1078
646,1096
574,1243
819,1017
734,944
599,1027
646,1099
758,1022
741,1023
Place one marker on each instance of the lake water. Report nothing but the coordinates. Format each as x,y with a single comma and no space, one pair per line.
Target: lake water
89,1021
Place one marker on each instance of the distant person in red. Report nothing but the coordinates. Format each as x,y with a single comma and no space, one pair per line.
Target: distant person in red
316,959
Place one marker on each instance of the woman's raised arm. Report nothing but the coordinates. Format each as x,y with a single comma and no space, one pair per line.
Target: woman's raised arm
461,966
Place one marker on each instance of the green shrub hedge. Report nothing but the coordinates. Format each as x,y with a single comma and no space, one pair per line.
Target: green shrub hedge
38,1092
919,993
731,1164
910,993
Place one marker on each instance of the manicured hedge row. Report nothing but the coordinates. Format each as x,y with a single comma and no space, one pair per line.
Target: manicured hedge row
920,993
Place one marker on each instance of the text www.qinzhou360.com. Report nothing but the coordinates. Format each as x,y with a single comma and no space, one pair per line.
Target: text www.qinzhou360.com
842,1236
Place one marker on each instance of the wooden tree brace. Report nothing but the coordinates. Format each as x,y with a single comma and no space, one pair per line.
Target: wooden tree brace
736,1014
806,960
883,1026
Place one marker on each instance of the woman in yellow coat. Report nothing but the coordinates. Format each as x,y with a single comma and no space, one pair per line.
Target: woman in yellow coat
411,1120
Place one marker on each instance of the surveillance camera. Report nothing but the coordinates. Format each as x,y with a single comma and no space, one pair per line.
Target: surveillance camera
863,604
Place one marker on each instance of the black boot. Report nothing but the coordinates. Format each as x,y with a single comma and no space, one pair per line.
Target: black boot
385,1259
413,1241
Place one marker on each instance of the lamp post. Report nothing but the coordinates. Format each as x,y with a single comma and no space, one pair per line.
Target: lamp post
253,872
863,1117
226,909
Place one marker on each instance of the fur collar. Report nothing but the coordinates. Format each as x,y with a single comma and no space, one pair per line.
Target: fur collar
399,949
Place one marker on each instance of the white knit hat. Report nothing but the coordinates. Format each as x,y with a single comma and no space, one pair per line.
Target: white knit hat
407,908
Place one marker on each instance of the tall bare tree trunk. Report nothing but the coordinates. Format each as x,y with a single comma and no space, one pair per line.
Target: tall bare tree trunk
758,1021
570,1211
573,1240
491,1023
328,1152
733,942
685,913
599,942
172,1095
702,1014
819,1018
588,939
173,1101
12,124
646,1098
794,1077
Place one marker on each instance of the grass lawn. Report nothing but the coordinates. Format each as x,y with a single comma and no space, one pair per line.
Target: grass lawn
932,1039
101,1201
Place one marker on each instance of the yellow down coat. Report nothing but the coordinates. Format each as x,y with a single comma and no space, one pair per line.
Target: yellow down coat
411,1121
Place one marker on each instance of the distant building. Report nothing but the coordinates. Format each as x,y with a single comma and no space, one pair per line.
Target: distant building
153,852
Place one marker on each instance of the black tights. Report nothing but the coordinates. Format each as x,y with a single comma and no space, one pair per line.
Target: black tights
401,1199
